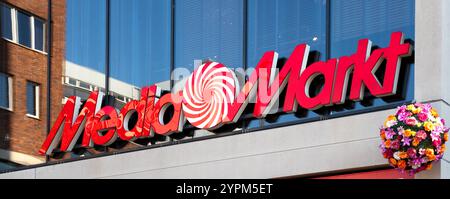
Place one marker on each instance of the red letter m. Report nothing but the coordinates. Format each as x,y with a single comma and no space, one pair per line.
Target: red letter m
70,124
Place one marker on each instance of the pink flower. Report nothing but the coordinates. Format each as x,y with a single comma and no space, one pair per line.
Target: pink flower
389,133
435,136
421,134
422,117
402,116
395,144
411,121
400,130
411,152
401,109
437,143
442,121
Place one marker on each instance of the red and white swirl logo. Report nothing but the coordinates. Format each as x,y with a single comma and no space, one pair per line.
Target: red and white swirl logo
208,94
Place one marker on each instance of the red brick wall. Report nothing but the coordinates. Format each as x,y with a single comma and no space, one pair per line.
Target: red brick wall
17,131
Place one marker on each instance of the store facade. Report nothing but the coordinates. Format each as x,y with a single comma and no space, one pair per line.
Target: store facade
164,47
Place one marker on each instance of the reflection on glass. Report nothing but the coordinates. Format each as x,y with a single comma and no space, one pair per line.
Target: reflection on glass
140,42
208,30
39,34
24,28
4,93
352,20
31,98
85,47
281,25
6,27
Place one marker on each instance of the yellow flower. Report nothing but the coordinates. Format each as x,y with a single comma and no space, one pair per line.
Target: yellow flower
446,137
428,126
410,107
408,132
442,149
389,119
430,154
434,112
416,110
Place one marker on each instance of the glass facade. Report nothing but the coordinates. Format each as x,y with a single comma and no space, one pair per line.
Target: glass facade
150,39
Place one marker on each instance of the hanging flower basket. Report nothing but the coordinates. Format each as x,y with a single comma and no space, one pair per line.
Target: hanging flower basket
413,138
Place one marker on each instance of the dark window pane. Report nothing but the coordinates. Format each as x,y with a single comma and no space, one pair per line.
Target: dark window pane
6,27
39,34
208,29
31,98
4,93
24,28
140,42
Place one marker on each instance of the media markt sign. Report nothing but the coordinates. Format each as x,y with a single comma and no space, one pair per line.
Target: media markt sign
211,96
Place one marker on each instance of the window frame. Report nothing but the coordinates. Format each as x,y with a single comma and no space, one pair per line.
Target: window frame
15,29
36,99
10,92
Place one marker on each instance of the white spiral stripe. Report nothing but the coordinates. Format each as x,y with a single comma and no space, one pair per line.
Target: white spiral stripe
208,91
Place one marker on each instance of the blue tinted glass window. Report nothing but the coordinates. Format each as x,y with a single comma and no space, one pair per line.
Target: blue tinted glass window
280,25
38,34
4,91
140,41
208,29
31,98
376,20
24,28
6,27
86,33
352,20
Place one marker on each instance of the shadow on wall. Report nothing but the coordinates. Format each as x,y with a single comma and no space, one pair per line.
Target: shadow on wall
5,115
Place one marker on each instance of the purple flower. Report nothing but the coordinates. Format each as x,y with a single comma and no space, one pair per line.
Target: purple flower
402,116
438,129
406,141
400,130
426,108
435,136
442,121
415,163
389,133
401,109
